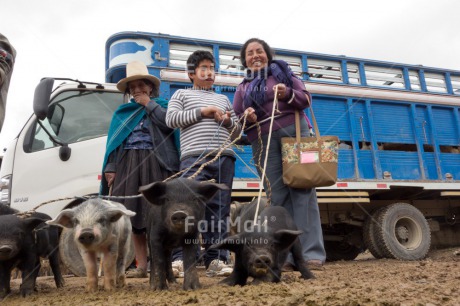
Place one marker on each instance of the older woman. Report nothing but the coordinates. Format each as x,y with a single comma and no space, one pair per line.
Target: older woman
140,150
255,96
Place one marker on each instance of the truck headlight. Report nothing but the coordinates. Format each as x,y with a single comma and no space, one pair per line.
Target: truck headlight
5,190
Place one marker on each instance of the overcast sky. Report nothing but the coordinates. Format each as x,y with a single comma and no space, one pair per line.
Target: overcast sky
66,38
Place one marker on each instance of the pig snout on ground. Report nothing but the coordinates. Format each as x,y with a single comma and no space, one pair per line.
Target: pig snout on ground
261,263
100,227
22,242
261,250
177,208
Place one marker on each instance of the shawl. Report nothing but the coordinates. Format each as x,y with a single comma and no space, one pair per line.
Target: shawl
124,120
255,92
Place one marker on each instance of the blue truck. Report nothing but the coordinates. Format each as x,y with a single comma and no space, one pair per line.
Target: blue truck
397,193
398,187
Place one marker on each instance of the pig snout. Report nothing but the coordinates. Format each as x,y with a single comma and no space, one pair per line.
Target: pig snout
86,237
179,217
6,252
262,262
261,265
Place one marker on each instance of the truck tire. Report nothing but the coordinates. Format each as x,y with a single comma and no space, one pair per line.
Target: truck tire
402,232
369,233
340,250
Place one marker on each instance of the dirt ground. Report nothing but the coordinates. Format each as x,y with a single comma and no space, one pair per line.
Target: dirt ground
364,281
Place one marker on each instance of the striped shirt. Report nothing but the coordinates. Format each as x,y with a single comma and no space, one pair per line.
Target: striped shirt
198,134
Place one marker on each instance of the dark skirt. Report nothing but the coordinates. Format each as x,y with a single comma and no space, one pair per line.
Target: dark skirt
137,168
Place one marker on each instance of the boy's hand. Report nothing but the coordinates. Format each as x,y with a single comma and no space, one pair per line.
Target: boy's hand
225,118
210,111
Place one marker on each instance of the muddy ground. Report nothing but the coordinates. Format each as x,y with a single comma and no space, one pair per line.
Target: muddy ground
365,281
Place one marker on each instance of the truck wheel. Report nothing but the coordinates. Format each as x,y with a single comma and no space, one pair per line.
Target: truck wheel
369,233
340,250
402,232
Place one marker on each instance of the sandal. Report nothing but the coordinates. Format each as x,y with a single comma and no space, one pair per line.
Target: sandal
136,273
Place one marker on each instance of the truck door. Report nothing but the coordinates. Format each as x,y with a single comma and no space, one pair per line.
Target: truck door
79,118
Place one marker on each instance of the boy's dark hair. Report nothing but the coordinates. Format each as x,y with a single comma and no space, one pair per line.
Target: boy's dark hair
196,58
267,49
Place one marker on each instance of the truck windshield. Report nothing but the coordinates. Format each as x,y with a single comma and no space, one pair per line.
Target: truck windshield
75,116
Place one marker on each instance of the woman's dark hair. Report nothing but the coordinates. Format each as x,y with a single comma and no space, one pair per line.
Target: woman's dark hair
196,58
267,49
155,90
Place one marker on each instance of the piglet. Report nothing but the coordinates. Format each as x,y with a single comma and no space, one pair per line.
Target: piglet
22,242
177,208
6,210
262,248
104,227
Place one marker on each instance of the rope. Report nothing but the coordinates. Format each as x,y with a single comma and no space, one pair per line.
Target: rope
221,150
27,214
257,164
275,103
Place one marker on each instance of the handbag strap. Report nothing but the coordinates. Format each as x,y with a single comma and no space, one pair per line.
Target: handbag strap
297,125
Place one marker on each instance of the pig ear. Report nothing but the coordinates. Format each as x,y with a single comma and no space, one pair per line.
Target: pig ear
32,223
64,219
208,190
115,214
285,238
232,243
154,192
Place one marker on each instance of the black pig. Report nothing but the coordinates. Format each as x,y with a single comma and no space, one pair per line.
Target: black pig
177,207
22,243
6,210
262,248
244,211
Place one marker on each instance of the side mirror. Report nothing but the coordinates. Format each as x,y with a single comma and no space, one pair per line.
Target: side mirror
42,97
64,152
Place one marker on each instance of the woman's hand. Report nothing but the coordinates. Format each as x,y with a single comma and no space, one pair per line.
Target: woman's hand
251,115
141,98
282,90
110,177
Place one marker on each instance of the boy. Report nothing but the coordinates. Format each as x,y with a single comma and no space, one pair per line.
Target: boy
205,119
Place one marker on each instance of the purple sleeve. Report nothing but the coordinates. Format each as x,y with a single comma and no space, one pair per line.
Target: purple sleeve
302,98
238,101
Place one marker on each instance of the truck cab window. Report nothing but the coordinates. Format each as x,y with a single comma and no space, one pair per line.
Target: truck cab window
75,116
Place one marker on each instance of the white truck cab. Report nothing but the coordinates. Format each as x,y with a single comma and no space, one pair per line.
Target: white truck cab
63,141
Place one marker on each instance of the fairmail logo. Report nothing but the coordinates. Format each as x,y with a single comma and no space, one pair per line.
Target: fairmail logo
219,226
250,241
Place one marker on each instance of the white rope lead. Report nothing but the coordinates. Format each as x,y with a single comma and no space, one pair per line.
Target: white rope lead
275,102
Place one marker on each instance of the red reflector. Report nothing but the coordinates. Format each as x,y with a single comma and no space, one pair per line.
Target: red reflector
253,185
342,184
381,185
99,177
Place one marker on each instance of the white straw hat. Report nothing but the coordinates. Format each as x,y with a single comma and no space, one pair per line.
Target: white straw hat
136,70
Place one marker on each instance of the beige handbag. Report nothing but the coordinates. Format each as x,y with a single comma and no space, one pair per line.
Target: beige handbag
309,162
